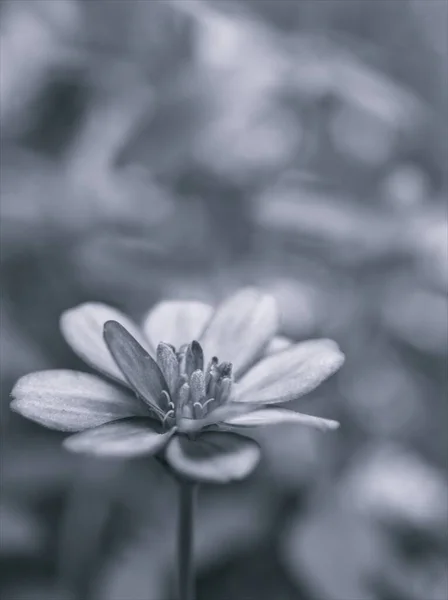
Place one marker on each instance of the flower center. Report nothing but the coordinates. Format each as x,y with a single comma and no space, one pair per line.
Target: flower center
193,391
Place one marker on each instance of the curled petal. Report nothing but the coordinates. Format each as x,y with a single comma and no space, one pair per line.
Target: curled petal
72,401
128,438
141,371
82,328
176,322
290,374
241,328
218,415
278,344
214,457
276,416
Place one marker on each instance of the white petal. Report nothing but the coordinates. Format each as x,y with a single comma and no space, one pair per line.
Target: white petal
219,415
176,322
71,401
275,416
124,439
278,344
241,328
214,457
82,328
290,374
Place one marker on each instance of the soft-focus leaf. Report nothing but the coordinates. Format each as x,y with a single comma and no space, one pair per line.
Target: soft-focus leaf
418,317
312,554
397,486
22,534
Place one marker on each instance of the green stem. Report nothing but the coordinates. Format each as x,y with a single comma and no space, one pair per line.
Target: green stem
185,541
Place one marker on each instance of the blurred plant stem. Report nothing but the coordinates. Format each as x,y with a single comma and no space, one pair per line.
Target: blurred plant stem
187,493
84,524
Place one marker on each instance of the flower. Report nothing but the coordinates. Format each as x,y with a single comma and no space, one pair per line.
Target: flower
163,391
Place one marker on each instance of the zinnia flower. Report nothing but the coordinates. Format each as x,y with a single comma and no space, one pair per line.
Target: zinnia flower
182,387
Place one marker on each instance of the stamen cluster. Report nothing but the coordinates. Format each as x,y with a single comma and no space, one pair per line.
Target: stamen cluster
193,392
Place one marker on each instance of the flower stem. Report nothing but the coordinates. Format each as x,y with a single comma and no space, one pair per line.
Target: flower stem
185,540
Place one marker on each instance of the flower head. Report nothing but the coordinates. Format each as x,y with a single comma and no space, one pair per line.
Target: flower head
182,386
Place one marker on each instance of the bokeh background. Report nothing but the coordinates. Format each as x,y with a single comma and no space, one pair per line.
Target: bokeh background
185,148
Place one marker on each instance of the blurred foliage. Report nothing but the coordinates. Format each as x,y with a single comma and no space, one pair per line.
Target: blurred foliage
185,148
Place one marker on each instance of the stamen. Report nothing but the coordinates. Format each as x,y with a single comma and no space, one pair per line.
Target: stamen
165,400
167,361
197,410
183,396
194,358
169,415
209,405
187,412
211,388
210,368
223,391
182,379
225,369
180,354
197,386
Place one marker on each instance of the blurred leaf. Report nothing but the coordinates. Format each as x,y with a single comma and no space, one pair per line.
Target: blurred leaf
35,467
417,316
35,43
227,521
382,392
333,226
395,485
22,534
333,553
20,354
36,591
84,524
428,243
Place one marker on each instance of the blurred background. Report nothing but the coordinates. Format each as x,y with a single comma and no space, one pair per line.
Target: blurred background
185,148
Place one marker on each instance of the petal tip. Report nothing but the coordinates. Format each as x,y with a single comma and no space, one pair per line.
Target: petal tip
110,326
19,389
332,425
69,313
338,359
15,405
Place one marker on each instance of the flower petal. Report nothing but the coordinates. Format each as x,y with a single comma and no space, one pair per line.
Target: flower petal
214,457
72,401
219,415
241,328
82,328
275,416
123,439
290,374
278,344
176,322
141,371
